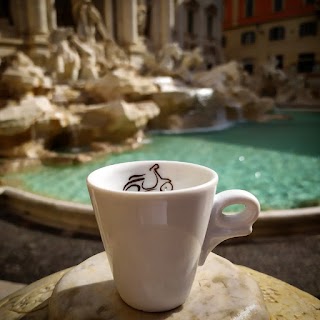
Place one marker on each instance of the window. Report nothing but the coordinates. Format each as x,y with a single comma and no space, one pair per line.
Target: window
248,65
278,5
64,13
5,11
276,33
209,25
148,23
190,21
308,29
210,13
191,7
279,58
224,41
249,8
306,62
248,37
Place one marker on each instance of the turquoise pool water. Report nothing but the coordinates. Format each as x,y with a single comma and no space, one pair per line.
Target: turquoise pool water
279,162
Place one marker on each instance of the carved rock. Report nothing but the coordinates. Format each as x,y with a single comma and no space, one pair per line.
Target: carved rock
114,121
22,76
181,106
120,84
225,75
16,119
230,83
27,128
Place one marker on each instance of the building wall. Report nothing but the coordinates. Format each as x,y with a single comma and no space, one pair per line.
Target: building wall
264,11
293,14
210,44
33,21
263,48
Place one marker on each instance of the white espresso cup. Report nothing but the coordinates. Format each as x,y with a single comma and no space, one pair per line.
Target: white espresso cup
158,221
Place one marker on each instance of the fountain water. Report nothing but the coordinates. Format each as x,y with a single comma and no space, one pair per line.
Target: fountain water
75,140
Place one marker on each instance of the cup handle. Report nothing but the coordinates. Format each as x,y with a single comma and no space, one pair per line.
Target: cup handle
224,226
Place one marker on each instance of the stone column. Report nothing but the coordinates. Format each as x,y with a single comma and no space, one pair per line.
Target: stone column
18,10
109,19
37,17
127,27
180,23
52,15
201,27
162,22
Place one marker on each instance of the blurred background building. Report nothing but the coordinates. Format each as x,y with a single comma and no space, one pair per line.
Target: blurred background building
132,24
286,29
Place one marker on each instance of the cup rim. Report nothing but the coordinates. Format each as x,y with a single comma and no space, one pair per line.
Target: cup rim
213,180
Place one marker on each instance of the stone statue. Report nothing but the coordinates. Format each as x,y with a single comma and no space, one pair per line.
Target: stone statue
89,66
115,56
269,78
169,56
165,62
89,21
189,62
65,61
141,17
173,61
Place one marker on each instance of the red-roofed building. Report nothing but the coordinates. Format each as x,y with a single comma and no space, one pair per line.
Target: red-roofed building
255,30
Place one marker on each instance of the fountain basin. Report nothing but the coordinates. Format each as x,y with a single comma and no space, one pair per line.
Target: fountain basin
277,161
79,218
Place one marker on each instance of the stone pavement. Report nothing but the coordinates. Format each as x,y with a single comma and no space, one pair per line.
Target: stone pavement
29,252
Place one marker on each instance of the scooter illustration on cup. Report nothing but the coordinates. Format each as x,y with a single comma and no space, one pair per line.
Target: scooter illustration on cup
138,182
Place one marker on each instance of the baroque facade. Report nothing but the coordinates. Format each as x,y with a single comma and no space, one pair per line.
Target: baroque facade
255,31
132,24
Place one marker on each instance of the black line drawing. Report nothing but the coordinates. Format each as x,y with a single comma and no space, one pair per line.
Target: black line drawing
137,182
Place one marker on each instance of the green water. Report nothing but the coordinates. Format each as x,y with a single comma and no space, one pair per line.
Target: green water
279,162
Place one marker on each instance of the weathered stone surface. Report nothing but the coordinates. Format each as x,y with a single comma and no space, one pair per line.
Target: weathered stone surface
118,84
114,121
31,301
295,91
64,94
29,149
15,119
25,129
246,103
220,291
65,63
221,77
22,76
232,88
283,301
285,88
182,106
171,60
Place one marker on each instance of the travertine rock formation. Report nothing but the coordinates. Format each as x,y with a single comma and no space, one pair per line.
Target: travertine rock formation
121,83
284,88
114,121
230,84
21,76
100,99
182,107
26,128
